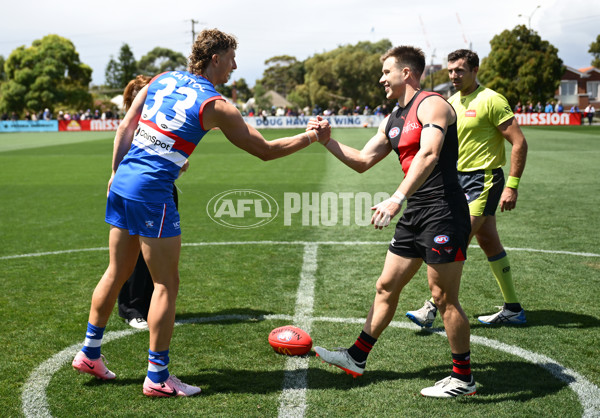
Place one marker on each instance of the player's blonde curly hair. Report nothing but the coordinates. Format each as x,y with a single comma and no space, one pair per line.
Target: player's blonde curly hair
208,43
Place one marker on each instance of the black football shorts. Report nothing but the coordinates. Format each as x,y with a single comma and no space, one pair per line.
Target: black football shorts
437,234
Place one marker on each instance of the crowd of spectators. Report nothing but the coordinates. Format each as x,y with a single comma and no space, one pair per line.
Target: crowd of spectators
46,114
549,107
88,115
552,107
382,109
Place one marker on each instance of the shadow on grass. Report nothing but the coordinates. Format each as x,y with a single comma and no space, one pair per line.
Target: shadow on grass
502,381
558,319
224,316
510,381
496,381
506,381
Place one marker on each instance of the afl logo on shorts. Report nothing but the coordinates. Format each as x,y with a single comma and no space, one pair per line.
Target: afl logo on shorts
441,239
394,132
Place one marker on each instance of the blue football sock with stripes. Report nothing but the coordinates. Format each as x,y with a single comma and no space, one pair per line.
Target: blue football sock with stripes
158,361
93,341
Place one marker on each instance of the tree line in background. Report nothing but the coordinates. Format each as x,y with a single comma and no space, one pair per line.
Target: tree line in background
49,74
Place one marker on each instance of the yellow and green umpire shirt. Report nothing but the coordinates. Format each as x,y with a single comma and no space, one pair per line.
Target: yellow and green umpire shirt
480,143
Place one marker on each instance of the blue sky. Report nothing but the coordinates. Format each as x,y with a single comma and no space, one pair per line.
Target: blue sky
301,29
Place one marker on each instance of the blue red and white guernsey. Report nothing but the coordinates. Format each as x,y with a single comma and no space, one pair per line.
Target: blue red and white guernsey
403,130
169,130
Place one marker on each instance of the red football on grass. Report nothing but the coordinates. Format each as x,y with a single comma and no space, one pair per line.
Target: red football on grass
290,340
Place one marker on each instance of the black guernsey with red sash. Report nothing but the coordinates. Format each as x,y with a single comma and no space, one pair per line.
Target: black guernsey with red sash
403,130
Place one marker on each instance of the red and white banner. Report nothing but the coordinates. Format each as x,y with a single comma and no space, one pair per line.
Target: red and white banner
548,119
88,125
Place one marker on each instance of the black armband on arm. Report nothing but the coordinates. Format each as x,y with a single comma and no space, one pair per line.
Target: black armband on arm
433,125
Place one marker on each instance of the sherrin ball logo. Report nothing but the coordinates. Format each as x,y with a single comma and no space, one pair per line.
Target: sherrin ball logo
394,132
441,239
285,336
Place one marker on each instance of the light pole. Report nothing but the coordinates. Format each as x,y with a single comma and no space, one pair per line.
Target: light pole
431,71
530,16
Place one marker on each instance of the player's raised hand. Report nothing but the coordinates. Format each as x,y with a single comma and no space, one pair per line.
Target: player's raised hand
313,123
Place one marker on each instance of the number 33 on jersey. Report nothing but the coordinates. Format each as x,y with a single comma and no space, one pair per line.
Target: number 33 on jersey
172,115
169,130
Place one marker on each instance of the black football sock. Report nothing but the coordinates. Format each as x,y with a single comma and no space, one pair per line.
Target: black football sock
513,307
461,366
362,347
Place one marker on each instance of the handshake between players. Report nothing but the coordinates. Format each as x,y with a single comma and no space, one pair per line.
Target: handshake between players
384,211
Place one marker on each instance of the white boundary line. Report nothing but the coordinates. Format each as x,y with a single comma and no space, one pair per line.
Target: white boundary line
293,397
35,403
292,401
34,400
209,244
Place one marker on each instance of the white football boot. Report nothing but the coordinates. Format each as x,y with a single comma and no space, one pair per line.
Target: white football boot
450,388
504,317
425,316
339,357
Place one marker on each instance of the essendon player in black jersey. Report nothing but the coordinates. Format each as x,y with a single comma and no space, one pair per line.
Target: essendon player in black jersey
434,227
403,129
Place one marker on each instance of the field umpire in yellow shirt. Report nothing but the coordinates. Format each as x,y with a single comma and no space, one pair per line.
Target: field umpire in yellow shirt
485,119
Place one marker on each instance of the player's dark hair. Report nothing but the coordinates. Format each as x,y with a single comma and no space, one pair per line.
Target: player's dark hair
470,57
208,43
408,56
133,88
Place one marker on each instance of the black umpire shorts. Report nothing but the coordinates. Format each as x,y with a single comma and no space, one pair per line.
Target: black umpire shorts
483,189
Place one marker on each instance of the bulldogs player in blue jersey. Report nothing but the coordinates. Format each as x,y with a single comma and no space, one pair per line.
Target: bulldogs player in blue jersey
165,123
136,294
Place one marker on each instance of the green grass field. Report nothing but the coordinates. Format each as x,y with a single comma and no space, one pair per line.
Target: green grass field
53,252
